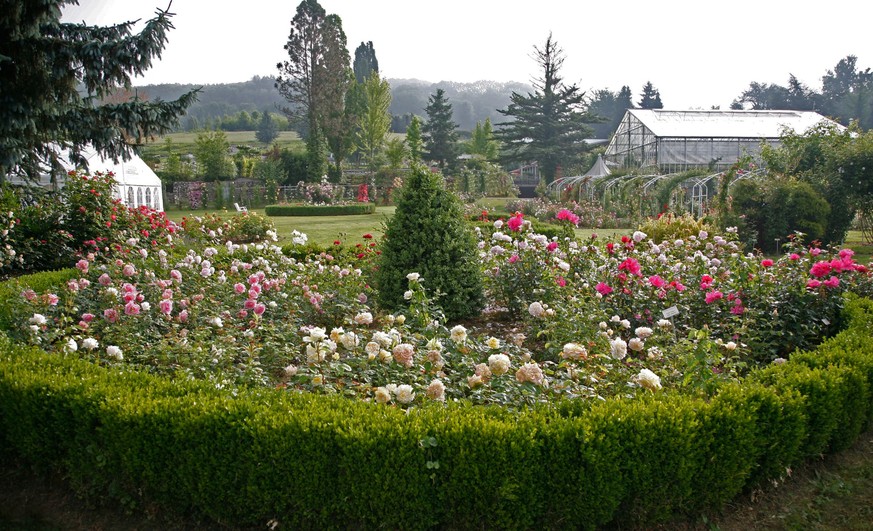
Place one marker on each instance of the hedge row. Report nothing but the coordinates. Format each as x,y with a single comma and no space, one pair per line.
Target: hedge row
243,457
550,230
320,210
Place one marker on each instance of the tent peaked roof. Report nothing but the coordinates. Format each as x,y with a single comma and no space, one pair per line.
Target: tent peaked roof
599,169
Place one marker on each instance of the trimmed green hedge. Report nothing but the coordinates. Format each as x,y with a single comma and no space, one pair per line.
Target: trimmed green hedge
320,210
243,457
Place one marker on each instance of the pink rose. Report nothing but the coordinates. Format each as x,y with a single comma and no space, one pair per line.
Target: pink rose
515,222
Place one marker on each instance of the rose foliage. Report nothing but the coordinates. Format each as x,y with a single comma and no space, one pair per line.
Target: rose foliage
583,319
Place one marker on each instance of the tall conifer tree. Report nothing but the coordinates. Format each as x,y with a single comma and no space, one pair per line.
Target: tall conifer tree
440,132
548,126
53,77
315,77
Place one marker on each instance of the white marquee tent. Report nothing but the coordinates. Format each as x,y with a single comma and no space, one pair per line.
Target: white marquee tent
137,184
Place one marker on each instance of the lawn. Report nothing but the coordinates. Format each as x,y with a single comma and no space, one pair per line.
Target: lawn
323,230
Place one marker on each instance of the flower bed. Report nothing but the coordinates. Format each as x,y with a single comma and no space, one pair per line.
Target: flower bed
347,209
588,319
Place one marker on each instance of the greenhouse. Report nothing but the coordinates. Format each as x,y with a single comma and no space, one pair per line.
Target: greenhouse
676,141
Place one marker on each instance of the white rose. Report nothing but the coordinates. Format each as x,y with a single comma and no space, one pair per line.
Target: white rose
114,352
498,364
458,334
618,349
574,351
90,343
404,394
648,380
413,277
383,396
364,318
643,332
536,309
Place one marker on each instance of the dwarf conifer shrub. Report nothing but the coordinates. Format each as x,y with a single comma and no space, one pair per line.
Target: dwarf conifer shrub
428,235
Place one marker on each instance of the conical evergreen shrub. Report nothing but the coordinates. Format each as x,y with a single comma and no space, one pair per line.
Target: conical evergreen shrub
428,235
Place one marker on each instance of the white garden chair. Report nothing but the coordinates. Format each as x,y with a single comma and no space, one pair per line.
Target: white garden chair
240,208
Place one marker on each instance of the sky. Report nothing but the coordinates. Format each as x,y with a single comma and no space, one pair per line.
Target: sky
696,53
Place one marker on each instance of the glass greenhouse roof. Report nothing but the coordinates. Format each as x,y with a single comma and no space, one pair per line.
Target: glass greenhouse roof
725,124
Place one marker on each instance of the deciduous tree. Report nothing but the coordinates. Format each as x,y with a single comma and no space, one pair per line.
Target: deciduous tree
211,152
53,76
365,62
375,120
267,130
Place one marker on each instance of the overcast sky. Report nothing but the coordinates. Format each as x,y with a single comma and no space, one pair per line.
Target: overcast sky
696,53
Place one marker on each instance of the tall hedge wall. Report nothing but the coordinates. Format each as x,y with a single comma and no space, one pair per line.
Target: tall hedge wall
245,457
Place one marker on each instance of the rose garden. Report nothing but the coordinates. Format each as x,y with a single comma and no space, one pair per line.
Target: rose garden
453,374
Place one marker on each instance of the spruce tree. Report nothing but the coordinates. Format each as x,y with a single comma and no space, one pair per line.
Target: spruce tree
548,126
440,132
428,235
651,97
53,77
267,130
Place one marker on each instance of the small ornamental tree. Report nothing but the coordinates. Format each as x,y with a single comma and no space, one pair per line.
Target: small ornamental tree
428,235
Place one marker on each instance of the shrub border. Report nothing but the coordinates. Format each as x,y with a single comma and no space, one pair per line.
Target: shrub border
246,457
320,210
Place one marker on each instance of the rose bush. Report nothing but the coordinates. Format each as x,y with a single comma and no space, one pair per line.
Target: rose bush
587,317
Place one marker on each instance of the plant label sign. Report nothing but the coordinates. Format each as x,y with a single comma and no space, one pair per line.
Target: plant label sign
670,312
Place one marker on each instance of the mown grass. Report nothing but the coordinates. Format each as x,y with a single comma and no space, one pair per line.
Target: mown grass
323,230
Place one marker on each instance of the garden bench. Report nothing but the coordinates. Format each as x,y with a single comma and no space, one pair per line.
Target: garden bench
240,208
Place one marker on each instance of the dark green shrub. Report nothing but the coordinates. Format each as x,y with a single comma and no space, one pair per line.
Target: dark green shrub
39,238
779,429
354,209
428,235
775,209
836,398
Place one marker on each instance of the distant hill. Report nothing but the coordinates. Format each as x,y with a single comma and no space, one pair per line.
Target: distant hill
471,102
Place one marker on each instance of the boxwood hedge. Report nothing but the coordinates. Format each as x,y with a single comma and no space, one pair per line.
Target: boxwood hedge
320,210
247,456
